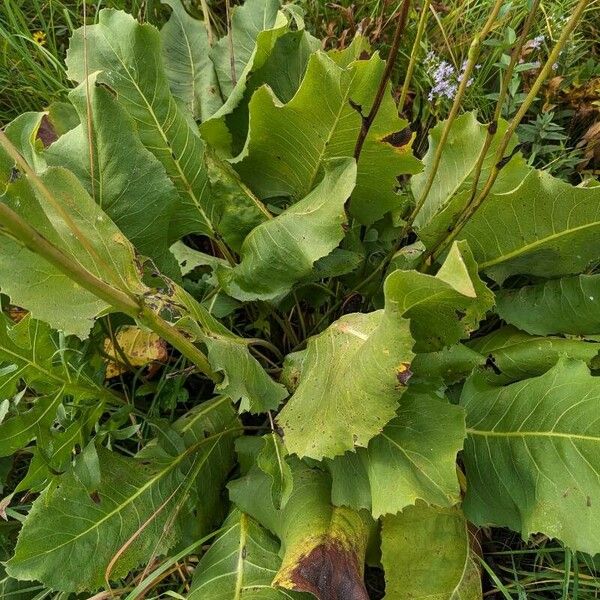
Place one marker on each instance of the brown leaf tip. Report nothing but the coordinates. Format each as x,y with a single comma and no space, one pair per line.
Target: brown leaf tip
329,572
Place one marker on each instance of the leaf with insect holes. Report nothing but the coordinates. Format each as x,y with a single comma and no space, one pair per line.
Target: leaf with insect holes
358,367
321,121
429,552
514,355
532,454
74,540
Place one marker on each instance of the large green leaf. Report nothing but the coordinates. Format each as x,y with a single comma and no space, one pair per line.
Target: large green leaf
427,555
79,228
414,458
514,355
188,67
323,547
544,227
75,539
279,61
356,367
247,24
453,183
288,143
280,252
129,183
241,563
128,56
349,388
567,305
532,454
445,308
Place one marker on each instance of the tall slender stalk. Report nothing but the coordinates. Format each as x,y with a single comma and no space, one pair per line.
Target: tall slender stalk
13,225
389,66
472,207
456,105
493,126
414,54
207,24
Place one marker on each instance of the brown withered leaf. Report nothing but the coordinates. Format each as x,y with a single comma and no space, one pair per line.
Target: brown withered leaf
135,348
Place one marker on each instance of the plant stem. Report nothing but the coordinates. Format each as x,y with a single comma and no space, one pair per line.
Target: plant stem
493,126
206,15
413,54
472,208
31,239
389,65
464,82
230,40
37,243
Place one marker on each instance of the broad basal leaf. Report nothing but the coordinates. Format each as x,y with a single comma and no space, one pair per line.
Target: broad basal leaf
129,183
288,143
444,308
75,540
349,386
279,61
128,56
567,305
61,210
544,227
280,252
453,183
255,28
413,458
359,366
188,67
323,547
427,554
513,355
532,454
241,563
247,23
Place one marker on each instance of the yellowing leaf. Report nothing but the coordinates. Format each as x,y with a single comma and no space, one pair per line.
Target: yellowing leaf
133,347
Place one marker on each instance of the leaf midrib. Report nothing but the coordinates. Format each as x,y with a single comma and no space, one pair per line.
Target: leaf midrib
131,498
551,434
528,247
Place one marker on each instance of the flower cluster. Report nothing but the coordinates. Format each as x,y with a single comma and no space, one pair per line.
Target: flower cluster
444,76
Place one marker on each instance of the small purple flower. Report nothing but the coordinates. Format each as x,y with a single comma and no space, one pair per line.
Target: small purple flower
536,42
444,77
